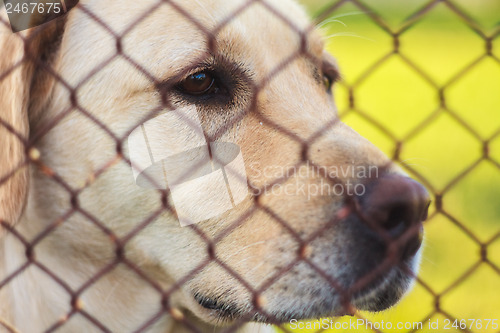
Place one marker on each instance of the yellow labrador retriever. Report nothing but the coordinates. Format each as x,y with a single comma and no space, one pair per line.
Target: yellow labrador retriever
326,224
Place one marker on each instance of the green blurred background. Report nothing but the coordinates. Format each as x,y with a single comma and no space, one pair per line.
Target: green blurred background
397,99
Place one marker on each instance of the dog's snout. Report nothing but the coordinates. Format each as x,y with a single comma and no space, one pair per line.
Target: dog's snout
398,205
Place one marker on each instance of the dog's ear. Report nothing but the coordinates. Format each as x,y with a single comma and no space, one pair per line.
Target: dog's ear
25,84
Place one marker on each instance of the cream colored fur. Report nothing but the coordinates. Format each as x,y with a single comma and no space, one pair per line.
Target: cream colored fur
119,96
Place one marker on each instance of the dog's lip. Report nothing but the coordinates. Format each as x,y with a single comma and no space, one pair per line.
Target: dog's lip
383,293
221,308
378,295
381,289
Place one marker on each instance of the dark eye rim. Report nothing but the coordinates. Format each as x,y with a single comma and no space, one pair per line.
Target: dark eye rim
331,74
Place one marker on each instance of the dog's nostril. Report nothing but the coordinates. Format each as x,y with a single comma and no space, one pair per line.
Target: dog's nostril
396,219
397,204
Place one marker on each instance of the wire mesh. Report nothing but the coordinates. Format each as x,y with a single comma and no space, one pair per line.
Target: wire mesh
34,160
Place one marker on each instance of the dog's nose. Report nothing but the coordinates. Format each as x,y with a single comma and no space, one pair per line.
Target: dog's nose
399,205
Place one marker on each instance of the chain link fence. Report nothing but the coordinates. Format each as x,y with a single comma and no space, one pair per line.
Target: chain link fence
484,256
483,251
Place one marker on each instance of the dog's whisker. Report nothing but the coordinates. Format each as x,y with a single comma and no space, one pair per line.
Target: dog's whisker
413,164
256,267
413,158
113,288
244,248
426,259
207,11
334,18
331,21
348,34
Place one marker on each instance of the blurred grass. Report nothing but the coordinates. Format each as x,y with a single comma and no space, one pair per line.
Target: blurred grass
397,97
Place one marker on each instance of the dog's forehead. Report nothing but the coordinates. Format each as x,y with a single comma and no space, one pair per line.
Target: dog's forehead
246,27
166,37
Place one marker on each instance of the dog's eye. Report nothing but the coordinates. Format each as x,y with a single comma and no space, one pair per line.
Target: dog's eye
328,82
198,84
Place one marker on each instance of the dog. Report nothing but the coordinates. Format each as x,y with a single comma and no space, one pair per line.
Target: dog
85,249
